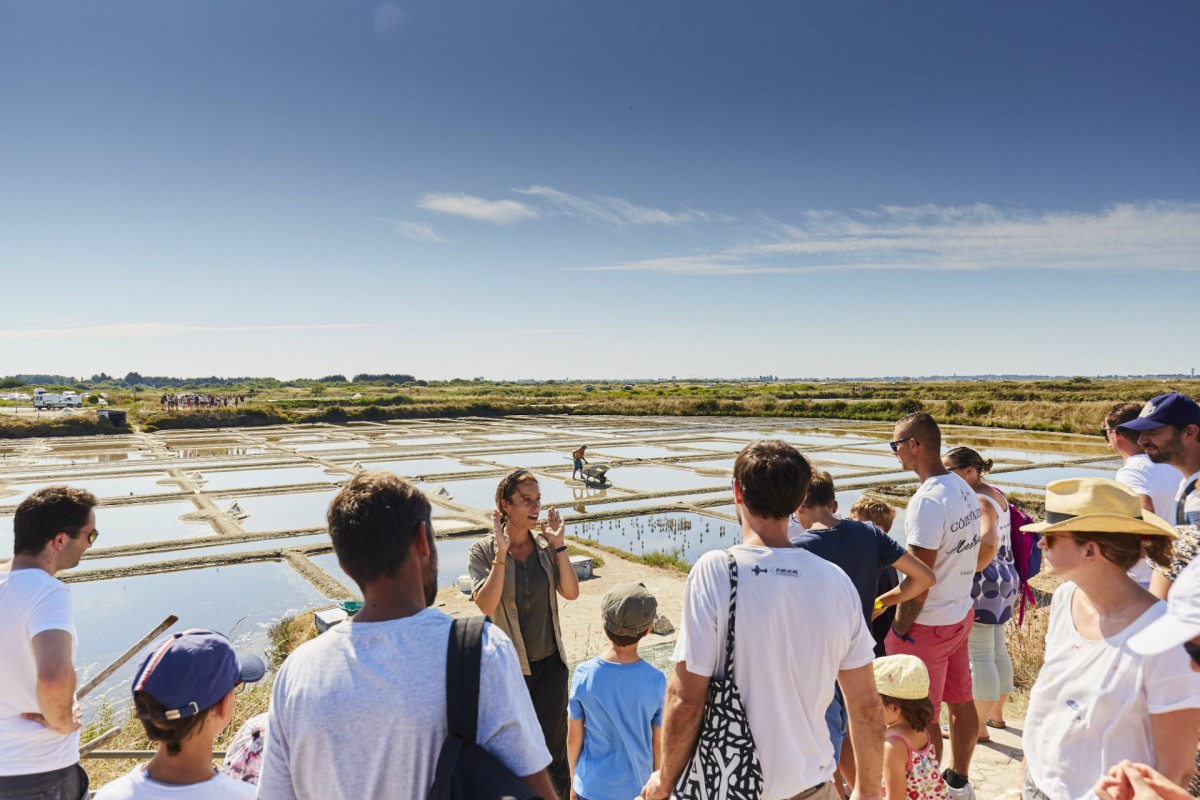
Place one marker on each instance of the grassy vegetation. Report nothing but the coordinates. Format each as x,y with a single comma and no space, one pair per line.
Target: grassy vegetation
671,559
1076,405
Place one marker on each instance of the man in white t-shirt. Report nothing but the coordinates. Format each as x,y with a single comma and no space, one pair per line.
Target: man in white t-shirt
1155,484
799,626
943,529
39,719
360,711
1169,429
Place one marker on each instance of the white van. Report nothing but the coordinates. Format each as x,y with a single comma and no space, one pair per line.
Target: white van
68,399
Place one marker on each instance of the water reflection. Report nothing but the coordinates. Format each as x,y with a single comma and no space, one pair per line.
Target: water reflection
240,601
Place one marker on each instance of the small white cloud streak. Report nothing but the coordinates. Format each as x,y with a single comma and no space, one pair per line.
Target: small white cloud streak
615,211
1159,236
500,212
417,231
143,330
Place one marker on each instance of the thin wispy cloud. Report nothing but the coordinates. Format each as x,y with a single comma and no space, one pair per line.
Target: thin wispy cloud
1160,236
614,211
500,212
143,330
417,231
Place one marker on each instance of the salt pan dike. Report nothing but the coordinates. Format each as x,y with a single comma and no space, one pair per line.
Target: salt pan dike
226,528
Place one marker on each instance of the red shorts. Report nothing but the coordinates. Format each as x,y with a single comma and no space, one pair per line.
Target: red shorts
944,650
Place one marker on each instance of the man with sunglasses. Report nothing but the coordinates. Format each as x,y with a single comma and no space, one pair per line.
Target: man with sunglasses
39,719
943,528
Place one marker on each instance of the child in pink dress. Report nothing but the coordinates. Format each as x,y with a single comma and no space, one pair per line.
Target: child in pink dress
910,764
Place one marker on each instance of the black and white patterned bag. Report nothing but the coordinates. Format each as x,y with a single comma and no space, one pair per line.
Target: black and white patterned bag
725,765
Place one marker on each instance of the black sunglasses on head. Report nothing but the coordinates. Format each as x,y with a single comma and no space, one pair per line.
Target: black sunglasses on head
1193,650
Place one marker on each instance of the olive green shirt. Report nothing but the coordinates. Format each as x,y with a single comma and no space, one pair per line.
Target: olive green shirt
540,608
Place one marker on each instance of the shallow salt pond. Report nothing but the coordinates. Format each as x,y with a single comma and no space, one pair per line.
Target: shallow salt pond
255,478
113,457
584,506
240,601
415,467
632,451
480,493
283,512
103,488
713,444
452,562
661,479
208,550
539,458
333,445
428,440
1041,476
685,534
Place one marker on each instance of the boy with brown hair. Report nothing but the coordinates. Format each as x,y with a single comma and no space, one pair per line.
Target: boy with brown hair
614,729
183,692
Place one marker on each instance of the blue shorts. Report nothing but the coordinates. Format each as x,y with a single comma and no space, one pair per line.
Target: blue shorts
579,464
837,721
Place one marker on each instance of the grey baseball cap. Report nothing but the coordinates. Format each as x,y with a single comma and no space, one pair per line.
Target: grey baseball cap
628,609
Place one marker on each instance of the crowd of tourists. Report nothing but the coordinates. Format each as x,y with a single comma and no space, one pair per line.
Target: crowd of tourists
812,659
188,402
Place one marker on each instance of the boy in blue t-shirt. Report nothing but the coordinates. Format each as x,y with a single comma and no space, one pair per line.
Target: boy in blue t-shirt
614,733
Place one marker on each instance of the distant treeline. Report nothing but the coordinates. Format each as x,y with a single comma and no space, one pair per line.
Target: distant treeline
132,379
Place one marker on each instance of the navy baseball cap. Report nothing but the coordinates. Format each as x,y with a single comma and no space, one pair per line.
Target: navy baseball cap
192,670
1172,408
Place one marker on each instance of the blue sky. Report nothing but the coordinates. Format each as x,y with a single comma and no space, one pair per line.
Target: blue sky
618,189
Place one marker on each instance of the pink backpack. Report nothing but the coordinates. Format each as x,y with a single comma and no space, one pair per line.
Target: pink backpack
1027,556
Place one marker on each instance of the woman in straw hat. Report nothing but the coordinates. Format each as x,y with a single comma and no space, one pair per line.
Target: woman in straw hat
1096,701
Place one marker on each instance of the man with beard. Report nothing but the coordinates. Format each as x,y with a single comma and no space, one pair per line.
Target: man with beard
361,710
39,718
1169,432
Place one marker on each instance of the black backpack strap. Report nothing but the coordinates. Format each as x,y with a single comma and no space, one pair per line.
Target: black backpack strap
463,655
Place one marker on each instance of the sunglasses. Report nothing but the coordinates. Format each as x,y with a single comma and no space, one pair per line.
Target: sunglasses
93,536
896,444
1193,650
1105,431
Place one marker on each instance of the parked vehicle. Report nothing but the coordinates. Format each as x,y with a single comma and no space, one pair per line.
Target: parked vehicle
68,399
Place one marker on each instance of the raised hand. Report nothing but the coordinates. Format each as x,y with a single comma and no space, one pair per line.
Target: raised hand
500,534
552,527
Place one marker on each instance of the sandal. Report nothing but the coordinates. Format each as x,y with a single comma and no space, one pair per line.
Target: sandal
945,730
1001,725
983,739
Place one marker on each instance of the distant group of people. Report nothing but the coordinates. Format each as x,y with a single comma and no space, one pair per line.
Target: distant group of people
779,688
187,402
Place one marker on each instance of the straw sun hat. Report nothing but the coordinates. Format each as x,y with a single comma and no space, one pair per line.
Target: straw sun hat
1097,505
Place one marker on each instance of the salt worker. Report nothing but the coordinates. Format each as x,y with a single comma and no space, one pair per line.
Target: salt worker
579,460
520,595
1097,701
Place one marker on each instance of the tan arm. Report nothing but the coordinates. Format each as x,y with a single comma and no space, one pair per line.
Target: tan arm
919,578
682,714
908,611
866,728
989,538
1174,735
55,681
